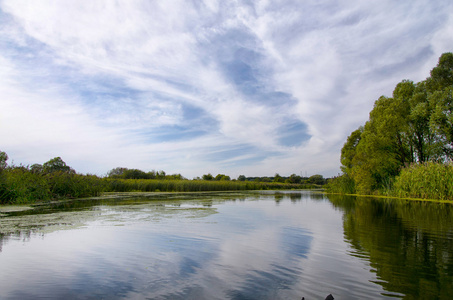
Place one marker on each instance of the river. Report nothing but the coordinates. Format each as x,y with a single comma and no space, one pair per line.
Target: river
252,245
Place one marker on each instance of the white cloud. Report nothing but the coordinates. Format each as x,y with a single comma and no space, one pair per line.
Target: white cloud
112,74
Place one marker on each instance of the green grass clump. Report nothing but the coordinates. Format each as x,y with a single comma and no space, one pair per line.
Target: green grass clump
428,180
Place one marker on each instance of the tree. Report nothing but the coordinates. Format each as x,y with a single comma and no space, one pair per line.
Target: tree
134,174
442,74
116,172
3,159
151,174
293,178
175,177
56,164
441,121
384,144
241,178
349,149
208,176
415,125
316,179
160,174
278,178
222,177
36,168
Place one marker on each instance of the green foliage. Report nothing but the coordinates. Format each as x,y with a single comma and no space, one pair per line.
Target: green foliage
293,178
125,173
441,121
343,184
56,180
70,185
153,185
3,159
414,126
53,180
56,165
349,150
222,177
316,179
36,168
429,180
207,176
442,74
278,178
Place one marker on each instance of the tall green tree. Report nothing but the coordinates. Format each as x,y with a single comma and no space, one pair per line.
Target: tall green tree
207,176
441,75
414,126
117,172
383,146
441,121
349,150
278,178
56,164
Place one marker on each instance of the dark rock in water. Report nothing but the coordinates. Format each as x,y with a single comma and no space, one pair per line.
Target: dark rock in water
329,297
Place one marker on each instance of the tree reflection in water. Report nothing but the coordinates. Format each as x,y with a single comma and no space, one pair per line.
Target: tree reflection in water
409,243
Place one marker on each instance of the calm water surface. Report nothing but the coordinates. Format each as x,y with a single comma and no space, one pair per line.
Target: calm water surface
284,245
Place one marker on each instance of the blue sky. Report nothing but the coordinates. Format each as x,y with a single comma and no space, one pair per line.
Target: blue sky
191,87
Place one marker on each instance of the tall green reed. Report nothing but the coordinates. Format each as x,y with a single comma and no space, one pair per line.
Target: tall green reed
155,185
22,185
428,180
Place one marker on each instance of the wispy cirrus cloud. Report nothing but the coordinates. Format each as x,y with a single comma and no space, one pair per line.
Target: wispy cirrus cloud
197,87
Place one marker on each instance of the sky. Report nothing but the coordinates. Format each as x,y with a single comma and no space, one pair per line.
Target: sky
196,87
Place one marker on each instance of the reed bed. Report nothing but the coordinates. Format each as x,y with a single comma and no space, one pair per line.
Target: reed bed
21,185
429,181
155,185
343,184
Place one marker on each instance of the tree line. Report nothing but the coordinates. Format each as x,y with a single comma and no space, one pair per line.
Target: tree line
410,132
126,173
